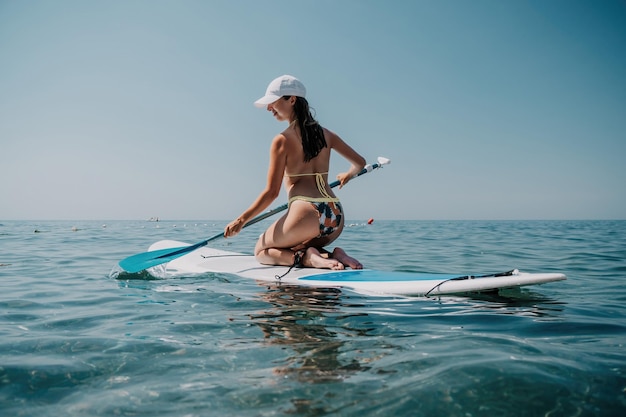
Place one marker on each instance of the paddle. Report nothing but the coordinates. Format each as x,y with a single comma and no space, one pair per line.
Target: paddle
149,259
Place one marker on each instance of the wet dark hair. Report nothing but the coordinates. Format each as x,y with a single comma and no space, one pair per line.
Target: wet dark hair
313,140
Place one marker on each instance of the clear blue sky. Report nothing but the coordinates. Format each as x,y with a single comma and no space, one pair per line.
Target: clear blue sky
488,109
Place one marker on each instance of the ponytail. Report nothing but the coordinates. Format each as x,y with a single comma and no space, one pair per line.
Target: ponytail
313,140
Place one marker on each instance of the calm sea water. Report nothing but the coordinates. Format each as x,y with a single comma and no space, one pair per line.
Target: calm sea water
76,341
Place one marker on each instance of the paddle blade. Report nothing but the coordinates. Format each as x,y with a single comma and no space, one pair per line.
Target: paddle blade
141,261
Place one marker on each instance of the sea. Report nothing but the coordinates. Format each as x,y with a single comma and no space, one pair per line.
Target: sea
79,337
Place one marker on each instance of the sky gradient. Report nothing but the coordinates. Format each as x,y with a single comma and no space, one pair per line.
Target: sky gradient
488,109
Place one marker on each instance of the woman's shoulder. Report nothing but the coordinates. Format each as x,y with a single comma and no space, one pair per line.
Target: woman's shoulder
327,131
287,142
330,136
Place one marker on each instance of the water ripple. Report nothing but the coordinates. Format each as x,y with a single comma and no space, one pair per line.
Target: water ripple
77,342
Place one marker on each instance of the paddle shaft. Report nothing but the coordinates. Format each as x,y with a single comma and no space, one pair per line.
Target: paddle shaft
276,210
149,259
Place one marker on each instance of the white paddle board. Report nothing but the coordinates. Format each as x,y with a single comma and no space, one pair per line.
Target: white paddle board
207,260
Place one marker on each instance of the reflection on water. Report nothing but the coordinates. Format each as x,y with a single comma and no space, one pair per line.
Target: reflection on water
514,301
340,337
322,326
306,319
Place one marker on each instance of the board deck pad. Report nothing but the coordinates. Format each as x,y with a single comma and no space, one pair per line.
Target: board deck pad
369,281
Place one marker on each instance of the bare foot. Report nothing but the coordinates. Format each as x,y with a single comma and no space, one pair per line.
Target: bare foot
313,259
341,255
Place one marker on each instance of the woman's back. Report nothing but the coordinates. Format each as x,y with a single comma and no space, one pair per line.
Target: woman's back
302,178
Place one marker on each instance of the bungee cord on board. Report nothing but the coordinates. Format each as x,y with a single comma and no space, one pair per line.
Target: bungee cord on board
464,277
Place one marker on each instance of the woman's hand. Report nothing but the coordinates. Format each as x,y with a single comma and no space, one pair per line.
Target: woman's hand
343,178
234,227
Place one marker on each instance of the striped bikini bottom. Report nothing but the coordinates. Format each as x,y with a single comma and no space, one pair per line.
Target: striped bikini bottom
330,213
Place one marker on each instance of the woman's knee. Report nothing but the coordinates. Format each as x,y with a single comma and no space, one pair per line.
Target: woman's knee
259,247
260,255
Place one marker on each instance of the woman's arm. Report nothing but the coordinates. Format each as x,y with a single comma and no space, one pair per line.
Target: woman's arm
275,173
345,150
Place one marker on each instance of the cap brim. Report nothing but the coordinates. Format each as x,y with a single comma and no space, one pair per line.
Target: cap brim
265,100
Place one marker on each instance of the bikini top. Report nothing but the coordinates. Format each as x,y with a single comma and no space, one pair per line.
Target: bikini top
319,181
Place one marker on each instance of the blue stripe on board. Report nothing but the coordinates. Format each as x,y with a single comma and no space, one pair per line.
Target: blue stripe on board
370,275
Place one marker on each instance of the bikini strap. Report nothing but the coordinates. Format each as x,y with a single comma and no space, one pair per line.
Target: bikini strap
321,185
305,174
319,181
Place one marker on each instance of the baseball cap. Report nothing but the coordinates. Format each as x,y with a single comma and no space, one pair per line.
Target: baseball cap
285,85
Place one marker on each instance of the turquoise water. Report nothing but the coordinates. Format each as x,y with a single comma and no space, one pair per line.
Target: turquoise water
75,341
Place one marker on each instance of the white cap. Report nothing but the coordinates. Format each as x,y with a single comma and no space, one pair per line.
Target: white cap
285,85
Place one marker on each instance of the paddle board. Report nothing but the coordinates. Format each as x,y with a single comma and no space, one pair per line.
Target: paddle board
369,281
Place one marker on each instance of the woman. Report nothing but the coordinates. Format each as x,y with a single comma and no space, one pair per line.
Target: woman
300,156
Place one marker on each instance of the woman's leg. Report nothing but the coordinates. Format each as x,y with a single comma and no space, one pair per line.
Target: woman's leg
277,244
347,260
297,230
338,253
313,258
